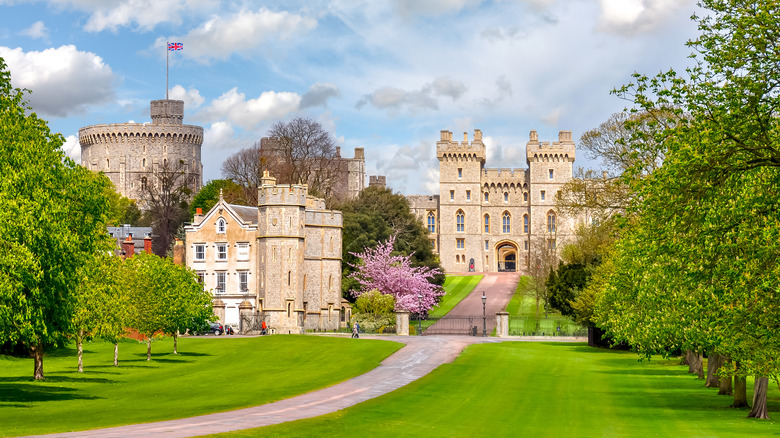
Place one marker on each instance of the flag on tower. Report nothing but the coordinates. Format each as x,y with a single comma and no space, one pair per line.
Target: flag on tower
175,46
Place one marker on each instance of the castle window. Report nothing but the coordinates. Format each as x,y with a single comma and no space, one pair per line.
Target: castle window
525,245
506,196
525,196
431,222
143,183
144,165
289,278
457,258
486,196
460,243
460,221
243,281
542,195
108,163
222,251
201,277
460,173
468,195
551,244
221,282
452,195
551,173
525,223
330,282
289,309
487,224
433,244
200,252
551,222
221,226
243,251
487,245
506,221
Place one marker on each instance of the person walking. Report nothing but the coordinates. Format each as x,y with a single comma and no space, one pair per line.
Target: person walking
355,329
263,327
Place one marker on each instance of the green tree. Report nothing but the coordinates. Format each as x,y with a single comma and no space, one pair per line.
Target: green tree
166,196
122,210
208,195
373,217
52,221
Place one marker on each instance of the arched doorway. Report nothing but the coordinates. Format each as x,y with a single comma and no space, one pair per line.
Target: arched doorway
506,255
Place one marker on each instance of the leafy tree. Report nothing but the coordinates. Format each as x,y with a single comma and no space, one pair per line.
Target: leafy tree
245,168
394,275
374,216
208,196
166,194
375,303
52,221
122,210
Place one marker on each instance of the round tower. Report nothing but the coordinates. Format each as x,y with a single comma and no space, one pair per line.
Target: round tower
130,153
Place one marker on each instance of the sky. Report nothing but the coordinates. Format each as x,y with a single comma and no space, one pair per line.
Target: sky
384,75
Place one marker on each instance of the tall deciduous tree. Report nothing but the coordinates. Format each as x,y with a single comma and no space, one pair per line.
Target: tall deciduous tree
52,221
394,275
245,168
208,196
166,196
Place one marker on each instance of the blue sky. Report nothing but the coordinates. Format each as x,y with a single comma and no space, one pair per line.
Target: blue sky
383,75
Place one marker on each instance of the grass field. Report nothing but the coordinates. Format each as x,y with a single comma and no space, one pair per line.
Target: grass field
523,320
456,288
210,374
517,389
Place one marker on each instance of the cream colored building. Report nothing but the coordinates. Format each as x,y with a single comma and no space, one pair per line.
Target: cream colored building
493,219
281,259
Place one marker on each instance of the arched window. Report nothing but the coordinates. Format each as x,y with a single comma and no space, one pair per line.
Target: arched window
487,224
108,163
221,225
460,221
431,222
525,196
144,163
551,222
525,223
506,196
506,221
143,183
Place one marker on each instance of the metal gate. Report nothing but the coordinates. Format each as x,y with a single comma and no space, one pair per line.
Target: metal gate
251,323
454,325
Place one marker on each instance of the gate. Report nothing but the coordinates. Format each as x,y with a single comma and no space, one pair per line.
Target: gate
251,323
452,325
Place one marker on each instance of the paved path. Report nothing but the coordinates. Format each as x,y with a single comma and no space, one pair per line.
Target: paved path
420,356
498,287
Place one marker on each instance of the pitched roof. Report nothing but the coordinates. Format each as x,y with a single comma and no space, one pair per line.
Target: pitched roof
247,214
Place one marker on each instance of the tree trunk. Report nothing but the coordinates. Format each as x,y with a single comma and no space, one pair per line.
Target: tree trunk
714,361
740,389
759,399
696,363
725,383
690,359
80,347
37,353
148,348
175,341
116,354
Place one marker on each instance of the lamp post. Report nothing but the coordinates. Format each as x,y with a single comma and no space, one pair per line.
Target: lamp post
419,313
484,317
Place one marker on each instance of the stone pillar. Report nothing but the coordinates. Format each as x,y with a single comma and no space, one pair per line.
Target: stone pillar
502,324
402,323
245,308
219,309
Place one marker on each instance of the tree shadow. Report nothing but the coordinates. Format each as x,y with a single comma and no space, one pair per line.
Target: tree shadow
21,393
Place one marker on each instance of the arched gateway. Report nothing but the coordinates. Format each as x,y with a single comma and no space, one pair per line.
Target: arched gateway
506,255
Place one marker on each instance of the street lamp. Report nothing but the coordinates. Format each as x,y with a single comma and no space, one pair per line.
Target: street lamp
419,313
484,317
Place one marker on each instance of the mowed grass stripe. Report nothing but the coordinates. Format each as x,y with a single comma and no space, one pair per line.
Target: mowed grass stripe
457,288
543,389
208,375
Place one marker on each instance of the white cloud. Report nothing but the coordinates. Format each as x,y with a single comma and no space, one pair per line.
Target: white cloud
72,148
63,80
552,117
630,17
234,107
38,30
319,94
191,97
145,14
219,37
394,99
219,135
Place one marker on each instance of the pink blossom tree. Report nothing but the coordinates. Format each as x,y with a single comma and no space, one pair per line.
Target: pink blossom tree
394,275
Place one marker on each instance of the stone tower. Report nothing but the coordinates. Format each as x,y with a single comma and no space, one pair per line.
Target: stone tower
281,216
460,170
130,153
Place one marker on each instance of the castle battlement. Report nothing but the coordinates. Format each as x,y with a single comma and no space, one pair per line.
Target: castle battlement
447,148
494,174
562,150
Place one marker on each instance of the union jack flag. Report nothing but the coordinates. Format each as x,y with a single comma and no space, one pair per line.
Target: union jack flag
175,46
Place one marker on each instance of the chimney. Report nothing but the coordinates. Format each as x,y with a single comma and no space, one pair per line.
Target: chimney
178,253
148,244
128,246
198,216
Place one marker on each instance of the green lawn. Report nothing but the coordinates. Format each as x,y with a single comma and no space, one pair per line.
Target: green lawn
210,374
456,288
543,390
523,320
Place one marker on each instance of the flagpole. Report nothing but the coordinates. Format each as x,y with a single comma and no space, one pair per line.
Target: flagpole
166,70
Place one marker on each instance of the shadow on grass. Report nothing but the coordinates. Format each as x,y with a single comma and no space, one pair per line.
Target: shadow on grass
20,393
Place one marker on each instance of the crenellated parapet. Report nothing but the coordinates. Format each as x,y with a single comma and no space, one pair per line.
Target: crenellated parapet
447,149
562,150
